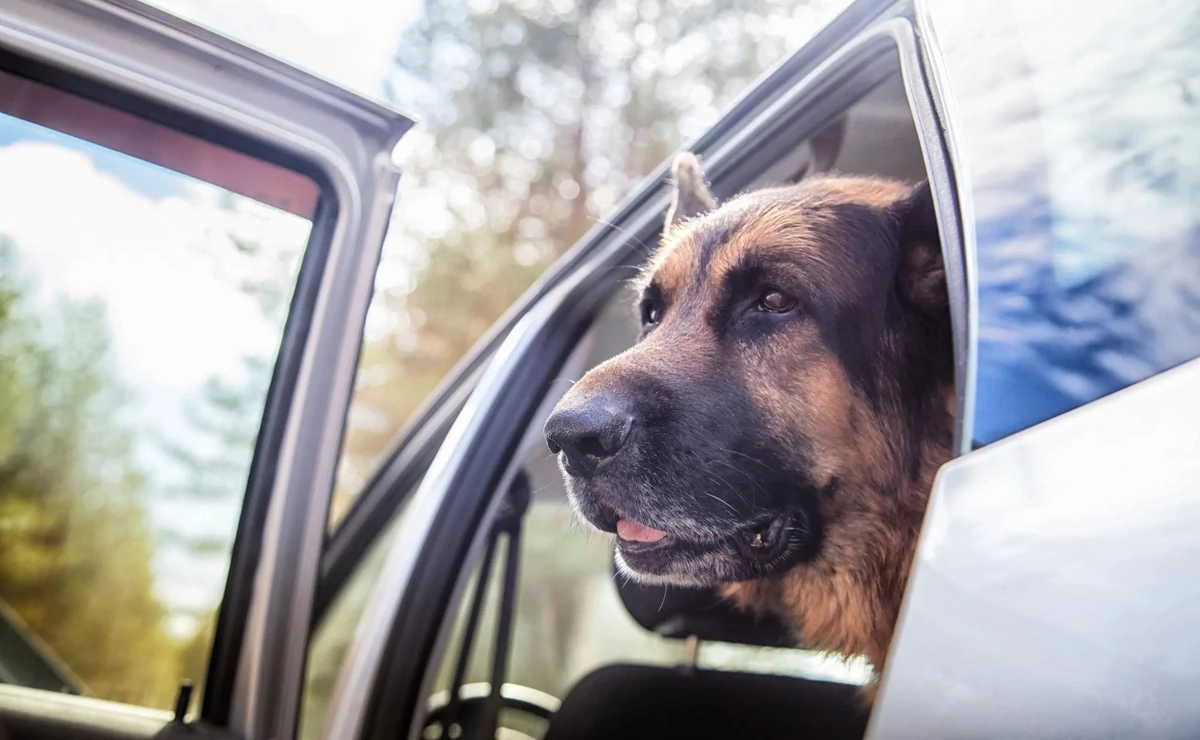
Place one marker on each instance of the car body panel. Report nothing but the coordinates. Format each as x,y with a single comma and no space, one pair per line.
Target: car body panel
1054,592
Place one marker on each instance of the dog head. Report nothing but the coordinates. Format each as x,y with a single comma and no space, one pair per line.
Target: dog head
791,341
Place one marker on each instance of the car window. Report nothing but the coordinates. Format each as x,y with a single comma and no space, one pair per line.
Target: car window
141,309
333,634
536,120
1081,128
571,621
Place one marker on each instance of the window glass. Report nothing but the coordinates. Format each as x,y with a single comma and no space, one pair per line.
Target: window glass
331,639
1081,127
537,118
140,312
570,619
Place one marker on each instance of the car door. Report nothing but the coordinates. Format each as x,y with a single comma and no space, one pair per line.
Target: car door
142,153
424,568
1054,589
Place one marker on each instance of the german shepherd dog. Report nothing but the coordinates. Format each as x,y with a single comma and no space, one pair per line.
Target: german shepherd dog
775,430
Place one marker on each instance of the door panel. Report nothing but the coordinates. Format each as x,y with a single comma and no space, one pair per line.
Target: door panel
1054,592
169,93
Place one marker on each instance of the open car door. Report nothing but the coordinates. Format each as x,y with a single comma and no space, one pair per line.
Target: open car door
177,119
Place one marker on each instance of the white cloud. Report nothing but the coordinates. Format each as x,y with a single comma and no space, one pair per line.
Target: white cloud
349,41
86,234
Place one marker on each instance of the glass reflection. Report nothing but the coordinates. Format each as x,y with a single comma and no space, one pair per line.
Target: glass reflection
1082,143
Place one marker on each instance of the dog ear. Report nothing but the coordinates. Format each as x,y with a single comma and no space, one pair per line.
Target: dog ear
691,196
921,276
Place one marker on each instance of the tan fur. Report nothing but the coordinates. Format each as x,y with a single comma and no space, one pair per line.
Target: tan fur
847,599
843,394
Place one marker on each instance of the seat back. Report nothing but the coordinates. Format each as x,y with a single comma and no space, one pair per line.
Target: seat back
631,702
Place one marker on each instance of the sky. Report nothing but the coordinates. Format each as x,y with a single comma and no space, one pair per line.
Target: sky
156,248
330,38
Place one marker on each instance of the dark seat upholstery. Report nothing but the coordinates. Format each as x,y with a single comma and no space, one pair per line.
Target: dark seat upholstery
680,613
630,702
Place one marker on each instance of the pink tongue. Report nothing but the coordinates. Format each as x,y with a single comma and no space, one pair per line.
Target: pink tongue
627,529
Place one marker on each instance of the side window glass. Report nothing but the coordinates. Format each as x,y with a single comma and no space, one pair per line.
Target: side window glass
570,621
1082,130
141,309
333,634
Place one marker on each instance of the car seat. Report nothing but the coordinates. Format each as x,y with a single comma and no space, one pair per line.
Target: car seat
630,702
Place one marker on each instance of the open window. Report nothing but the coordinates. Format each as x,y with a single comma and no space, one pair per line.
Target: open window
617,654
854,101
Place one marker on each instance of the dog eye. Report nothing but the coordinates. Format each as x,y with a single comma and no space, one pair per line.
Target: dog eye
651,313
774,301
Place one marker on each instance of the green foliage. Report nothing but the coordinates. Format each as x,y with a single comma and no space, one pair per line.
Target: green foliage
74,545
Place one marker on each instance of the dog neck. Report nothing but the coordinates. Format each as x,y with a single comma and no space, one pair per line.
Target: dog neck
847,598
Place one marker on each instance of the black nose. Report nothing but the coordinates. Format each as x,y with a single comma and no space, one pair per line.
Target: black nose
589,434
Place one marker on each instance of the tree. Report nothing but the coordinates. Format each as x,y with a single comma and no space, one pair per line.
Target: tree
75,555
215,458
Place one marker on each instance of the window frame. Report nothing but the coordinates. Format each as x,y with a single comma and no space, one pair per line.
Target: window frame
375,695
146,62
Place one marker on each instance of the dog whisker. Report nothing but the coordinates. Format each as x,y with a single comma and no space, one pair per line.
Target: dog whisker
723,501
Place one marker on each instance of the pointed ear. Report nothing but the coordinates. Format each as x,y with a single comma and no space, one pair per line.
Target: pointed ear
691,196
921,276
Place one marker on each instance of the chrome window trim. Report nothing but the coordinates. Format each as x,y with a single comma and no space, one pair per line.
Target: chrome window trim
346,712
941,164
937,82
345,141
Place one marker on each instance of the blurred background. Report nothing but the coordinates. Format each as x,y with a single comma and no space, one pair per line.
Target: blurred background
130,400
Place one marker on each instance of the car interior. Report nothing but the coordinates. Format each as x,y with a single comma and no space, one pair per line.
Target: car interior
875,135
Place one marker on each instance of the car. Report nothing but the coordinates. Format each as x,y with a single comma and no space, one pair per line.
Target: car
27,661
1050,593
